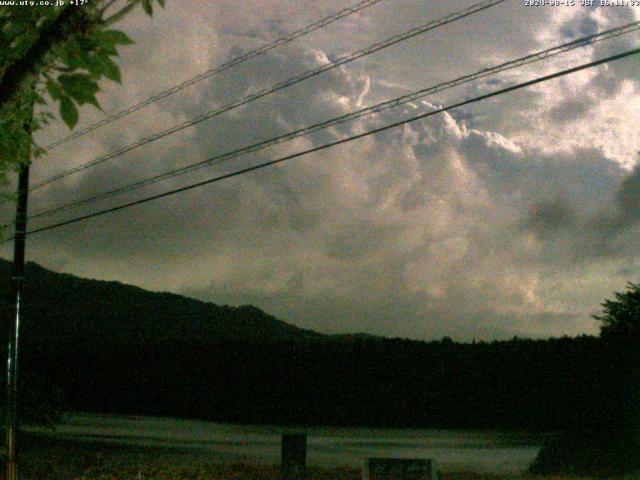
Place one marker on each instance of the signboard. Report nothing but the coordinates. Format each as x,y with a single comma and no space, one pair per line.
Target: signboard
399,469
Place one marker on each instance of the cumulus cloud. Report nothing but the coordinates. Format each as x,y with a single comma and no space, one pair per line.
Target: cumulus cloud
498,220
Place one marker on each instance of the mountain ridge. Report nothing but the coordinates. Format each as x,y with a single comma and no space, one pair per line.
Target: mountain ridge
63,308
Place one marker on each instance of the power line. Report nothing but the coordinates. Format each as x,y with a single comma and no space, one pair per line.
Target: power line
528,59
339,142
217,69
278,86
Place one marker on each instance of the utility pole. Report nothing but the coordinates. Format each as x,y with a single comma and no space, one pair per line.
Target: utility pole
13,320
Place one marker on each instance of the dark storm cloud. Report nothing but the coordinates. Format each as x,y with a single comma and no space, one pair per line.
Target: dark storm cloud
550,216
628,198
570,109
602,231
581,25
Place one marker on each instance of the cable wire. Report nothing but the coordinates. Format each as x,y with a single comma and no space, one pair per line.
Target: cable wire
218,159
217,69
339,142
278,86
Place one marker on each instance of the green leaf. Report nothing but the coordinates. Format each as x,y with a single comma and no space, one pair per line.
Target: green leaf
148,7
82,88
77,84
161,2
112,37
88,44
94,67
98,64
107,48
94,101
68,112
71,55
54,90
39,99
110,69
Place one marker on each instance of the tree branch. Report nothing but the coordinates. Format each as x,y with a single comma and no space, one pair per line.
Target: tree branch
121,13
71,20
106,6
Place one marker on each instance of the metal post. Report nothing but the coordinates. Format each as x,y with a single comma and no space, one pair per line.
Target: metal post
13,320
294,456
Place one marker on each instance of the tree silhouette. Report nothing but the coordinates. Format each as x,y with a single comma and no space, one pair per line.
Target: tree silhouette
605,440
621,317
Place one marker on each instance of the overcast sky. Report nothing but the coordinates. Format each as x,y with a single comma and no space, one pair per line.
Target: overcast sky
514,216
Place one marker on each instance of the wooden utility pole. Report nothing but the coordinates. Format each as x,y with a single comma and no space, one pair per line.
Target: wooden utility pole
13,320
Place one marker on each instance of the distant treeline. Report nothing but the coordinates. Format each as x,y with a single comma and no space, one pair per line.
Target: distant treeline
114,348
518,384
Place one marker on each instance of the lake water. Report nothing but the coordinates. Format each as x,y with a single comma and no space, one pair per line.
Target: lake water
327,446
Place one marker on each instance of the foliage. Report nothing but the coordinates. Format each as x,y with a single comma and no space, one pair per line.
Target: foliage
602,453
614,446
621,317
54,55
41,401
15,134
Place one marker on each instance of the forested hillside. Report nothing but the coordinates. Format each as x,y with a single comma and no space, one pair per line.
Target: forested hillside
120,349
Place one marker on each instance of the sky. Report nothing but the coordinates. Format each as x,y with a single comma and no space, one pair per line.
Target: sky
513,216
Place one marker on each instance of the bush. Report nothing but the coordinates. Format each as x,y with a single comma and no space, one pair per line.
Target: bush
40,402
592,453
